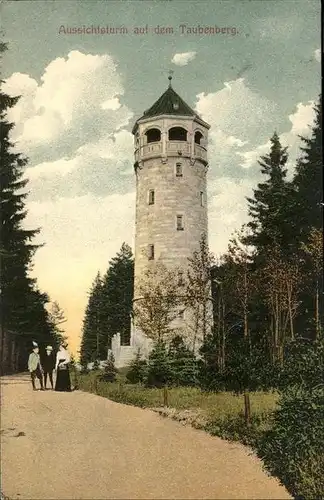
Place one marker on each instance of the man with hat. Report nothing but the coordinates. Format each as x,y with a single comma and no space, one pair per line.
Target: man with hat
48,365
34,366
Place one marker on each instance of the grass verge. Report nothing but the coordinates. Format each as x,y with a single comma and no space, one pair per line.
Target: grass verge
220,414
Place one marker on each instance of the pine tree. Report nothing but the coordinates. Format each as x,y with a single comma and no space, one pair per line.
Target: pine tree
22,307
137,370
271,207
93,345
57,318
308,181
183,363
110,370
117,295
15,246
159,369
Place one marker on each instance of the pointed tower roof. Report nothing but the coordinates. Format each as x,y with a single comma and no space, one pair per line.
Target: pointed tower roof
170,103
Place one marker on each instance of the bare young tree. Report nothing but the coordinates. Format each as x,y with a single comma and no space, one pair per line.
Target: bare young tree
198,289
239,259
241,279
57,318
314,249
155,308
280,282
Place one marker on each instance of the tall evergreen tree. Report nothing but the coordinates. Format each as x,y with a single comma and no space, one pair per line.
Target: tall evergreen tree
117,295
307,218
308,181
93,336
270,208
22,304
15,245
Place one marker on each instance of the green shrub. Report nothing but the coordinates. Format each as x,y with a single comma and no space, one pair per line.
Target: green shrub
233,427
293,449
183,364
110,371
96,365
137,372
303,365
159,370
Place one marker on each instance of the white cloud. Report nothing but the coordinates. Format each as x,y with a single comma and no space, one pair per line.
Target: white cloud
318,55
47,170
227,210
236,110
250,158
301,122
78,95
183,58
237,115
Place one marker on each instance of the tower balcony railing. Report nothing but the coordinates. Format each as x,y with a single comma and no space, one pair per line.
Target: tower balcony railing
155,149
178,146
200,152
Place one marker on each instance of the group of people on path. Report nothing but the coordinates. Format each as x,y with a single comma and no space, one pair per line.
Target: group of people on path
41,368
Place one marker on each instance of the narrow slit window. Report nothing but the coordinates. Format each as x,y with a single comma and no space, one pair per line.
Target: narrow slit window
151,197
202,198
180,278
180,223
151,252
178,169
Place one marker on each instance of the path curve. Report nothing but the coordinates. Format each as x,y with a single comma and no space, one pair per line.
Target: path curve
64,446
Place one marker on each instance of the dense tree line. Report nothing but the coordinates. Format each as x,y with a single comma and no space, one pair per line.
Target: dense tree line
268,287
24,316
267,290
109,307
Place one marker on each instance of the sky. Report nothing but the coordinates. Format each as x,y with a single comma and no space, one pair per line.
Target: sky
87,70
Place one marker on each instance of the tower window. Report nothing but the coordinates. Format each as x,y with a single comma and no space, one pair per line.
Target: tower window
181,314
198,137
180,223
151,197
177,134
180,278
153,135
179,170
202,198
151,252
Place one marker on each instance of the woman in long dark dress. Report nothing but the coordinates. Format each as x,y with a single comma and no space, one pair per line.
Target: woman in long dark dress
63,381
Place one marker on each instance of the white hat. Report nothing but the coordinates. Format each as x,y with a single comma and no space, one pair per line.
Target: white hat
35,344
49,348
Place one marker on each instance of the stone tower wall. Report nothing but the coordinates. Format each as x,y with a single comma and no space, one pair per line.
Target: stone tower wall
156,224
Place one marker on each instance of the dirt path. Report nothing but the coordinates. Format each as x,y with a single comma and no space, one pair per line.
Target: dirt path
65,446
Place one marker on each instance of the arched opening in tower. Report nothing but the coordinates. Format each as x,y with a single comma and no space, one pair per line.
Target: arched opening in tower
198,137
153,135
177,134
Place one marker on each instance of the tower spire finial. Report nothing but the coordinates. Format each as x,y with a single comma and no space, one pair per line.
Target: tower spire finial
170,76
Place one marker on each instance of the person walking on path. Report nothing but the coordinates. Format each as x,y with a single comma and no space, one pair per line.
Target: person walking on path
48,365
63,382
34,367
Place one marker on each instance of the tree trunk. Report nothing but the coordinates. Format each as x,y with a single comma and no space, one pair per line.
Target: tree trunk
196,328
165,396
317,322
289,297
1,350
247,408
223,337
